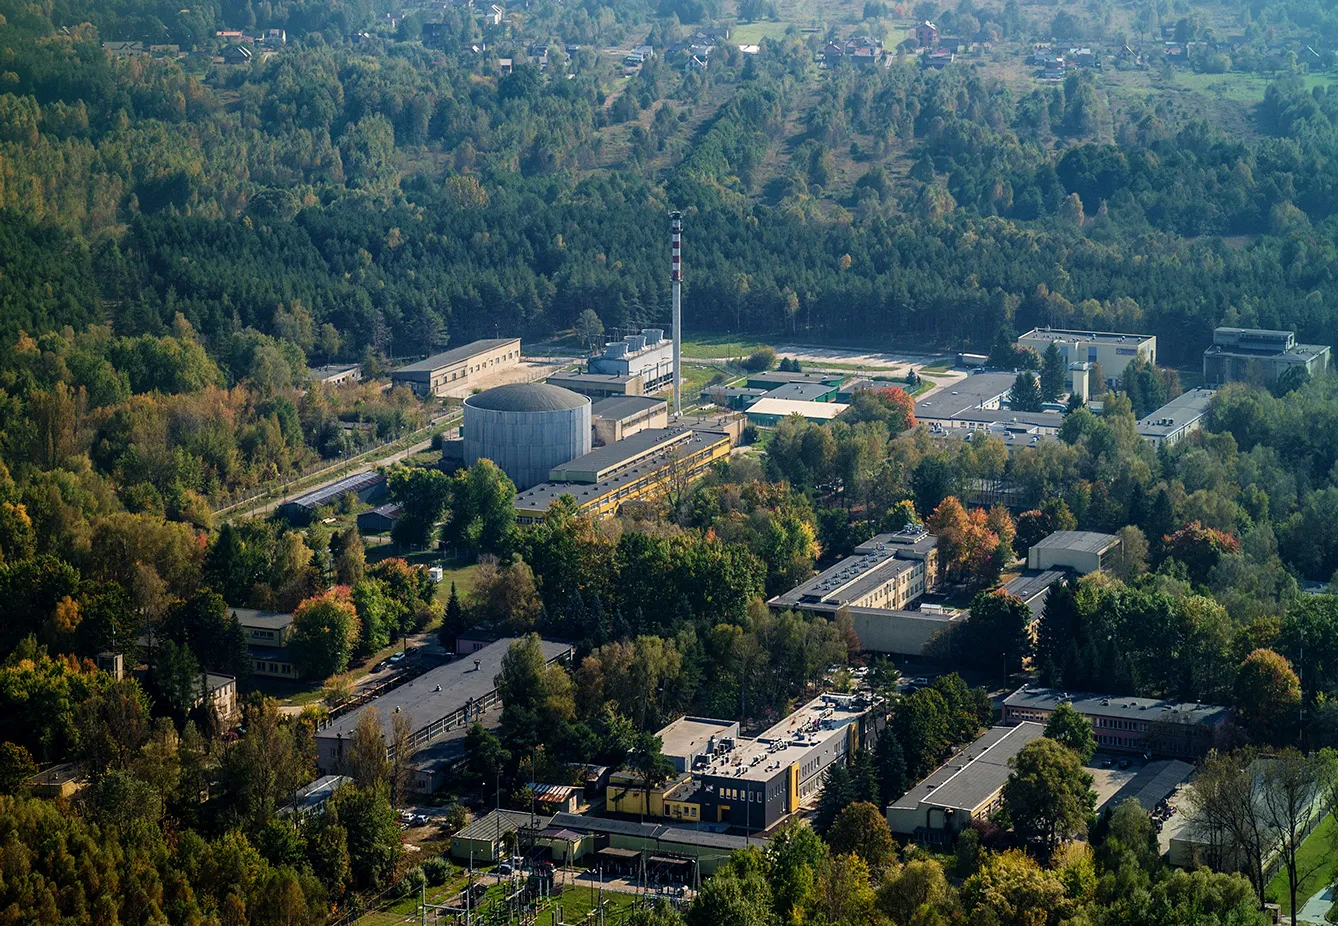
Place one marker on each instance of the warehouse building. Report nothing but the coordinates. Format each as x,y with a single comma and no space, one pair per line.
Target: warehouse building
599,385
965,788
526,429
1079,551
752,783
439,701
643,467
1178,418
483,840
367,486
891,571
617,418
649,355
457,367
979,391
1113,350
767,412
632,844
1149,726
380,519
805,392
1259,356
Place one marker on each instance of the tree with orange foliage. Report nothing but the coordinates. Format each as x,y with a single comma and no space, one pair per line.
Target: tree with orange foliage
325,628
969,548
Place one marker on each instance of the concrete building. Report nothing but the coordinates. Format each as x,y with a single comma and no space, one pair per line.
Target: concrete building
440,700
649,355
614,419
1079,551
482,841
220,691
1032,587
599,385
526,429
643,467
267,642
457,366
313,797
977,392
967,787
367,486
768,412
753,783
380,519
889,571
629,843
735,397
1113,350
689,740
63,780
805,392
1259,356
336,374
1174,729
1178,418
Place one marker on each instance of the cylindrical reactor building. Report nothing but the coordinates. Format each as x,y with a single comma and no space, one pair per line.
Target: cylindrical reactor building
526,429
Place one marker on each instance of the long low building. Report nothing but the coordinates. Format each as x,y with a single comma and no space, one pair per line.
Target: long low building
977,392
599,385
1178,418
437,702
1082,552
965,788
890,571
643,467
367,486
618,418
767,412
457,367
1149,726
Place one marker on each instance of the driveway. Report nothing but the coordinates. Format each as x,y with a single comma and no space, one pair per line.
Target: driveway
1316,907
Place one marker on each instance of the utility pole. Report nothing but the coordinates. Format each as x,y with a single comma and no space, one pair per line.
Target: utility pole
676,255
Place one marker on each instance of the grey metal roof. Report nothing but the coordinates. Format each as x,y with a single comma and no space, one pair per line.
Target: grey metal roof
1034,587
454,355
970,393
266,620
527,397
496,822
1082,541
620,408
439,692
390,510
972,776
1180,412
593,379
802,392
875,562
1148,710
1077,334
1153,783
355,483
655,831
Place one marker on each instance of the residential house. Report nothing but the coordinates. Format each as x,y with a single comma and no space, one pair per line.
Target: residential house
938,58
124,49
494,15
926,34
276,37
237,54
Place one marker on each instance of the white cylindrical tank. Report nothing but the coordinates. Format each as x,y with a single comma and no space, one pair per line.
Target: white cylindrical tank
526,429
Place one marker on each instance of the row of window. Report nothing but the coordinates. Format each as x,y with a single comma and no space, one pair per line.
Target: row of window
273,668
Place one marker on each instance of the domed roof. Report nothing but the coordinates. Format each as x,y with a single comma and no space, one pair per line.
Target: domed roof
527,397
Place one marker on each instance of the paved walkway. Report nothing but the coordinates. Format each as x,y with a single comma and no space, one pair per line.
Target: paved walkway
1314,909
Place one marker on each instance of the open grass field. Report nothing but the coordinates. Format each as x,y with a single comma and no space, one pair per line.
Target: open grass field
1316,853
753,33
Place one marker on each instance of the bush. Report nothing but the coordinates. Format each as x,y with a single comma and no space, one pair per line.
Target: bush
436,870
412,882
454,819
764,358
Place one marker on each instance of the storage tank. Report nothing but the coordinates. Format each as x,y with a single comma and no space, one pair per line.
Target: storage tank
526,429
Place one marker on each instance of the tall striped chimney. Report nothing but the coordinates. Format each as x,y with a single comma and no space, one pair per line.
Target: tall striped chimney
676,227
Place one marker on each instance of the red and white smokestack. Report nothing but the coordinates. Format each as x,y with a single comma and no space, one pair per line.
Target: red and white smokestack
676,228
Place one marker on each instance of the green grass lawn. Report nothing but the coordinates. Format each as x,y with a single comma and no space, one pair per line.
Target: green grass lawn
753,33
1241,87
1318,846
708,348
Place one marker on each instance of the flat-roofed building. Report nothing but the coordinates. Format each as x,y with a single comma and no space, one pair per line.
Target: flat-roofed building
1151,726
772,379
890,571
977,392
614,419
336,374
447,698
767,412
367,486
1114,350
628,842
220,692
599,385
689,739
1032,587
965,788
484,839
1178,418
649,355
735,397
458,366
1079,551
1260,356
805,392
643,467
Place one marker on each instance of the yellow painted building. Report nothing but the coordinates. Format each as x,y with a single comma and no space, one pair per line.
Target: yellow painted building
644,467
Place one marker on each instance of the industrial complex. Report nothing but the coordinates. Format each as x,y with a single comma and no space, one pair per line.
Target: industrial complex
1113,350
526,429
1259,356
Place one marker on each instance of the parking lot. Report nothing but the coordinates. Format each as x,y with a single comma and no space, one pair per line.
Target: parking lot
1111,772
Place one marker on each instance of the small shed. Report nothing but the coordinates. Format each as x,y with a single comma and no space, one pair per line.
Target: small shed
556,798
381,519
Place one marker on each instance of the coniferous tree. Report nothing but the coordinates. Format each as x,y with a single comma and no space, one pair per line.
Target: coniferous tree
1053,369
1025,396
838,793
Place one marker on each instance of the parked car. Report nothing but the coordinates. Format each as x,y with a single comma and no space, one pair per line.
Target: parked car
504,868
1125,763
